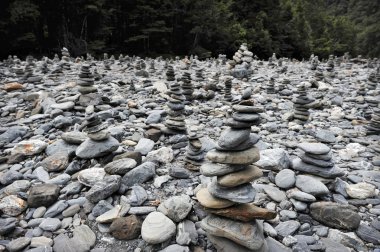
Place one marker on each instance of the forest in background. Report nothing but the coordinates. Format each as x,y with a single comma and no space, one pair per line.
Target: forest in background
289,28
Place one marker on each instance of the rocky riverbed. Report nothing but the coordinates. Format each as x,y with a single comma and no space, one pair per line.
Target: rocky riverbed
118,154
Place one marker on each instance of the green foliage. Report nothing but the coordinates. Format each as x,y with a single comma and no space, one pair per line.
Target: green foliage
290,28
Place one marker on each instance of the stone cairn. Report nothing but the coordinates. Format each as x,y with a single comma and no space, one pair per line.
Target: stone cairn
373,128
194,151
170,75
175,121
270,86
301,110
56,58
65,58
362,90
372,81
44,67
86,80
318,75
229,196
314,63
227,89
187,86
95,129
316,159
240,66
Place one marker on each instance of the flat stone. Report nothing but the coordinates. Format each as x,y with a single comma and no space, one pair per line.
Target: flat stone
56,209
18,244
157,228
110,215
12,205
140,174
231,138
325,136
41,242
244,212
368,234
103,189
285,179
226,245
332,172
313,161
361,190
274,245
63,106
29,147
91,176
120,166
209,201
186,233
301,196
144,146
176,207
7,225
311,185
274,193
335,215
85,236
240,194
213,169
56,162
93,149
74,137
249,235
126,228
314,148
175,248
137,195
43,195
287,228
273,159
245,157
50,224
249,174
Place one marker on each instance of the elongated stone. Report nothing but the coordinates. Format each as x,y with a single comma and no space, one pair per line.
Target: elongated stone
240,194
241,177
209,201
248,156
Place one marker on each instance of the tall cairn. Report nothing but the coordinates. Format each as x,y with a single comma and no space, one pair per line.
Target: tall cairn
187,86
232,220
373,128
86,80
227,89
194,151
270,86
65,58
301,110
372,81
175,121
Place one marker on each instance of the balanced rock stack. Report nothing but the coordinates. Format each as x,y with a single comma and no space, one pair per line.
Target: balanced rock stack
330,64
241,63
86,80
175,121
65,58
318,75
316,159
372,81
301,110
170,75
233,218
270,86
314,63
362,90
187,86
227,89
195,151
373,128
44,67
100,143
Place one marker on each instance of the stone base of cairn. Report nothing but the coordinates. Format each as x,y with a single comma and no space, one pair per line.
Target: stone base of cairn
373,128
227,89
316,159
187,86
194,151
86,81
301,109
232,220
175,121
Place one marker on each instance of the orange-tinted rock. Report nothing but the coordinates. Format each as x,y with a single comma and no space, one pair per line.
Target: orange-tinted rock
241,177
244,212
209,201
12,86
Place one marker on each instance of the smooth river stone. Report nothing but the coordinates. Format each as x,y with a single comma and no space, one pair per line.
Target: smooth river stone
209,201
248,143
245,117
325,157
249,235
231,138
237,124
321,163
311,185
241,194
157,228
332,172
245,157
244,212
314,148
241,177
213,169
248,109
